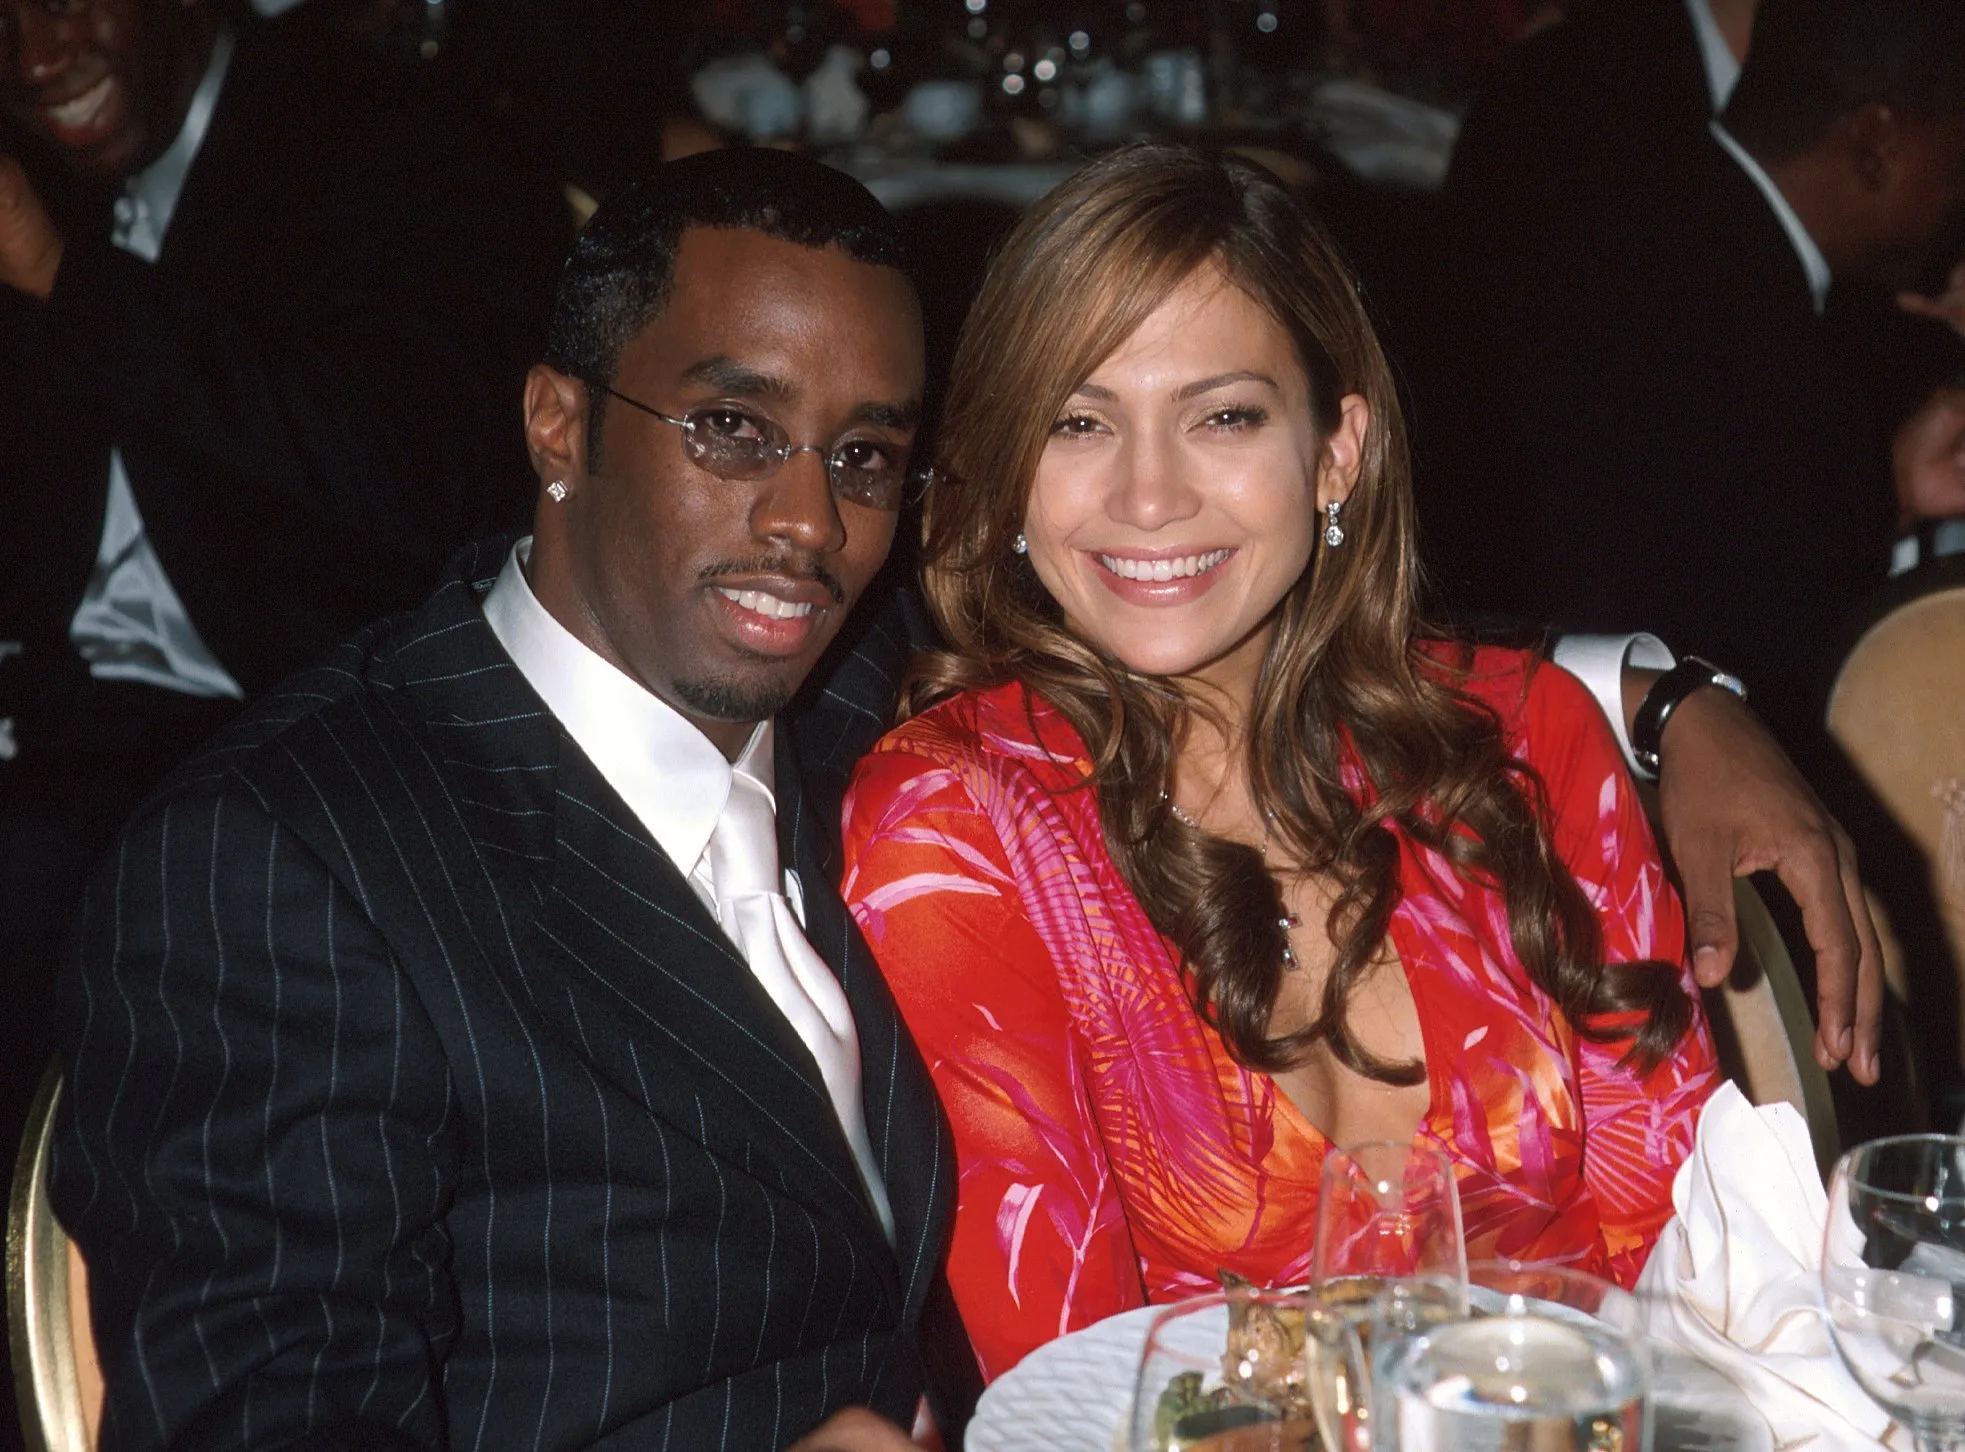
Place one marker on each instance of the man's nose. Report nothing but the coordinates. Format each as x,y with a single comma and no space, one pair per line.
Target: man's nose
44,46
797,505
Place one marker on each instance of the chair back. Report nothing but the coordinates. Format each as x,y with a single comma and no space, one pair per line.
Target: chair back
1762,1026
57,1381
1897,709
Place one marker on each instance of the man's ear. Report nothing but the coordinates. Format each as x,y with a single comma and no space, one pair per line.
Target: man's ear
556,426
1872,136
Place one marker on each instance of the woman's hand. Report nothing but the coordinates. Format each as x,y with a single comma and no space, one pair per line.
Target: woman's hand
1732,803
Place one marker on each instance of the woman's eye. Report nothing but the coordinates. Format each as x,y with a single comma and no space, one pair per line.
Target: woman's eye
1075,426
1237,418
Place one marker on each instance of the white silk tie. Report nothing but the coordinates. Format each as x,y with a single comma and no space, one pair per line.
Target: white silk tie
751,905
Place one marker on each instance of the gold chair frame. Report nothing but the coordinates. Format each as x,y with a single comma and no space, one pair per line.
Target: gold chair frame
57,1382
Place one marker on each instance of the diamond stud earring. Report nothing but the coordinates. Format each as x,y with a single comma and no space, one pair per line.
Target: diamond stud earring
557,489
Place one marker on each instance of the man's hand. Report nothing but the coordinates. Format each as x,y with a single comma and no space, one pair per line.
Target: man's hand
1948,306
30,247
856,1430
1928,458
1732,803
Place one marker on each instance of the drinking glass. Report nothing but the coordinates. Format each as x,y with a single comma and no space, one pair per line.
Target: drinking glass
1230,1372
1385,1211
1552,1359
1893,1279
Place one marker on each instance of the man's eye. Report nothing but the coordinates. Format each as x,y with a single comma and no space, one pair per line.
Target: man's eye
729,423
868,456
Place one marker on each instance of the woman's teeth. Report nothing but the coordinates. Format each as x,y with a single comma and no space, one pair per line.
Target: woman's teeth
765,604
1165,569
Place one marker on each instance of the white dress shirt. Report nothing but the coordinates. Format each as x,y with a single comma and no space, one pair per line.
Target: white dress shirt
671,777
1598,661
1722,70
1813,263
131,625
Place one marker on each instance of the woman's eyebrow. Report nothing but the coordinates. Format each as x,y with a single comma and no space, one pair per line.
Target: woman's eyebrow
1208,385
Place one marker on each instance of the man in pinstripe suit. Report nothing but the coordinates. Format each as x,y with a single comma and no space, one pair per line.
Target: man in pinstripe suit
418,1092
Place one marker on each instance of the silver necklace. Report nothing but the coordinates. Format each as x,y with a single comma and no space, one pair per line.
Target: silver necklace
1289,922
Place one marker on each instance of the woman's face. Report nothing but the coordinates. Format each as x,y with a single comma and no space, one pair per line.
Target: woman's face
1179,496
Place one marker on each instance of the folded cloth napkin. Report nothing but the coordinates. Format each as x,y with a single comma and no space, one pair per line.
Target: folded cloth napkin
1736,1277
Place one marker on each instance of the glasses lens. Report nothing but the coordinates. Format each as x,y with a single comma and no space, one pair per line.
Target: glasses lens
733,444
869,471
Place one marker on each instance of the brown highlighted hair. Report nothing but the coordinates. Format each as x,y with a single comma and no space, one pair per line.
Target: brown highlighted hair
1343,682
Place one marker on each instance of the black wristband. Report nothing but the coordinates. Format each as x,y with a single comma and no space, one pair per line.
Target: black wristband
1689,675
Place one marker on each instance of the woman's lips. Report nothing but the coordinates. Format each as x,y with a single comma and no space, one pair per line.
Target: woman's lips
1160,579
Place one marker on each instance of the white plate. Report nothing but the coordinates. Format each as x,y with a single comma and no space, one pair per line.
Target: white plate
1073,1394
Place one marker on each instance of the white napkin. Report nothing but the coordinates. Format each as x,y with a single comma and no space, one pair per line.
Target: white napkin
1736,1277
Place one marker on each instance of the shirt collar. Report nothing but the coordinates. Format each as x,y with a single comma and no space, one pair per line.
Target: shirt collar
670,775
1813,263
1722,70
157,186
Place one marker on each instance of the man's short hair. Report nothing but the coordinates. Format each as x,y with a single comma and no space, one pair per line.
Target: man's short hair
1813,61
618,276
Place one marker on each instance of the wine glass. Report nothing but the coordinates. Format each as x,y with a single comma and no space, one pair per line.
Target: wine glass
1385,1211
1893,1279
1231,1370
1553,1359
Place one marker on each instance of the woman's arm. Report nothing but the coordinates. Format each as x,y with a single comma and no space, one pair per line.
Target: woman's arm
1638,1127
1041,1245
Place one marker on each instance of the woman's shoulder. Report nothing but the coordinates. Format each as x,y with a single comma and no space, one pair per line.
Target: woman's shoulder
1005,725
1529,693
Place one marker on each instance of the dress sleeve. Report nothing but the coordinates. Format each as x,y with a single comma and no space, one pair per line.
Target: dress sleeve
1638,1127
1041,1245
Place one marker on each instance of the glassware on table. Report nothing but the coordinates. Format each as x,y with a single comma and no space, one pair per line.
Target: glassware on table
1551,1360
1385,1211
1230,1372
1893,1279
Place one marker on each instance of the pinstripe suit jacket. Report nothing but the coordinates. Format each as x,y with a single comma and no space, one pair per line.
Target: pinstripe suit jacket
414,1098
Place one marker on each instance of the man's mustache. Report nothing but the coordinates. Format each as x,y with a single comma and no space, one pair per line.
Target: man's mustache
780,565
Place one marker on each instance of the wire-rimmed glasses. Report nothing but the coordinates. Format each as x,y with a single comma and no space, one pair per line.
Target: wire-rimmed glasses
739,444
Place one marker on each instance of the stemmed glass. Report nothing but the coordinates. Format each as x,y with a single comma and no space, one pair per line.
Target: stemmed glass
1386,1211
1390,1259
1893,1280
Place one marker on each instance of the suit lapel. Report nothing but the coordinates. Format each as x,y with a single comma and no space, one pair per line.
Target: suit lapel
604,935
911,1144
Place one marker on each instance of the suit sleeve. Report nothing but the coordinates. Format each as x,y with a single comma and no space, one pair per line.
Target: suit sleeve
256,1144
1040,1245
1638,1127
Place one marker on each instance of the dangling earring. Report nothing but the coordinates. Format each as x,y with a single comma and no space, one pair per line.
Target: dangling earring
1333,531
557,489
1020,545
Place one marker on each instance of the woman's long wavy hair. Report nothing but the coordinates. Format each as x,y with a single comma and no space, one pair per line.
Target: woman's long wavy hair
1342,687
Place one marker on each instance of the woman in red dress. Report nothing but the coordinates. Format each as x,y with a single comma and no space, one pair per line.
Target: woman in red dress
1199,854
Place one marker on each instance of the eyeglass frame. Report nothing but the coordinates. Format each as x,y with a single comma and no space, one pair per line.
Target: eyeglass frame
914,482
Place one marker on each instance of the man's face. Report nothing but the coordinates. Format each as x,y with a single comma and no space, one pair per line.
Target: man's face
1927,185
106,81
716,594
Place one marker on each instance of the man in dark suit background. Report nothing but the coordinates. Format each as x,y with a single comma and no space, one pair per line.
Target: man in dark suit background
263,304
1669,420
434,1080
